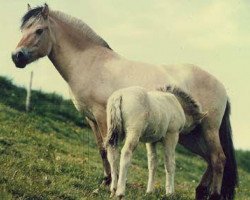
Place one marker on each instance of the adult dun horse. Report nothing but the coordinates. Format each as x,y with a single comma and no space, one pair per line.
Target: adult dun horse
94,71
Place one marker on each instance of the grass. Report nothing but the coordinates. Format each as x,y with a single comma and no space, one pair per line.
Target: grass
46,156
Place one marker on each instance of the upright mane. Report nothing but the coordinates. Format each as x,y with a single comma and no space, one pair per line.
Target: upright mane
188,103
82,28
35,12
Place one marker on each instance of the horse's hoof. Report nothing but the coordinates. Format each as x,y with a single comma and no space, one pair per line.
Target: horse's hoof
202,193
215,197
106,180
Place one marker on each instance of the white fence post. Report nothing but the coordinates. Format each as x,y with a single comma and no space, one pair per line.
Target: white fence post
29,93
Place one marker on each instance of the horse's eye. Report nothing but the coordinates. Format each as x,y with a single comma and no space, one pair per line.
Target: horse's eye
39,31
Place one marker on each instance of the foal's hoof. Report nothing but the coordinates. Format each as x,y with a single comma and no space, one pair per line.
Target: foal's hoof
112,194
96,191
121,197
202,193
149,192
167,196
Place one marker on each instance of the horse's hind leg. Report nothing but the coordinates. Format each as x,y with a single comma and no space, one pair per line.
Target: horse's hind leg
152,163
102,150
113,158
170,142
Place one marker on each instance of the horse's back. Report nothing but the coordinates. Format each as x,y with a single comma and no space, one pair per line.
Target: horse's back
202,86
199,83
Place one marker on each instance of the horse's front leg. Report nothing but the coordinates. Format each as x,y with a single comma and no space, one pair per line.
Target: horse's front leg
102,150
113,158
217,163
195,142
202,191
170,142
152,164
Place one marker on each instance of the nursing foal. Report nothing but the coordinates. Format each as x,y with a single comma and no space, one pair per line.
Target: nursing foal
136,115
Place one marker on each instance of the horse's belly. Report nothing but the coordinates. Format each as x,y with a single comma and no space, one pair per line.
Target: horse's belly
81,106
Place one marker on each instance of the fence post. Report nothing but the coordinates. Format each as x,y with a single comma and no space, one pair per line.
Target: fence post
29,93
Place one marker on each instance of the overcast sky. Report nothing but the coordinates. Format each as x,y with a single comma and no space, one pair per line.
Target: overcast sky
212,34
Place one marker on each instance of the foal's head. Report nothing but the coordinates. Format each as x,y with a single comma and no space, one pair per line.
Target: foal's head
191,107
36,41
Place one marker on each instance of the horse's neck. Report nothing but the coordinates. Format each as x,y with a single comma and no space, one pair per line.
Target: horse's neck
72,53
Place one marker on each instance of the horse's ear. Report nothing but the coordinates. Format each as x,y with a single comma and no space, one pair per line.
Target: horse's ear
28,7
45,11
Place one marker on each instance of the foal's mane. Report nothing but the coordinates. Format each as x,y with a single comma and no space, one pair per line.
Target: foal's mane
190,105
83,29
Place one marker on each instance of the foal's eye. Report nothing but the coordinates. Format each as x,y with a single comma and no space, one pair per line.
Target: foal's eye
39,31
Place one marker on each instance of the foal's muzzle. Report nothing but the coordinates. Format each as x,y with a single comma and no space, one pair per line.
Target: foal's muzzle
20,58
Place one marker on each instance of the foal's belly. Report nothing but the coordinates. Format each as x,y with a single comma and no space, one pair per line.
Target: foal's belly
150,139
152,134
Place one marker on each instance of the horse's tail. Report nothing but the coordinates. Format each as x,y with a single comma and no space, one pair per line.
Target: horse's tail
230,176
114,121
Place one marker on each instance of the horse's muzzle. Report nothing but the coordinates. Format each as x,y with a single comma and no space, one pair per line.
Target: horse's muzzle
20,59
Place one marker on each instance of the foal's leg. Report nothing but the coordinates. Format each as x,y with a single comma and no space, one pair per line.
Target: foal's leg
152,163
170,142
132,139
113,156
102,150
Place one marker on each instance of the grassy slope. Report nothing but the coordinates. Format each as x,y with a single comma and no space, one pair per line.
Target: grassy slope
47,157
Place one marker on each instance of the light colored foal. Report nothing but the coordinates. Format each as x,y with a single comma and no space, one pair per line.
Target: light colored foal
136,115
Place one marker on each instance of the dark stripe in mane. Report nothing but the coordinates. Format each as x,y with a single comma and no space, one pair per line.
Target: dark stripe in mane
31,13
190,105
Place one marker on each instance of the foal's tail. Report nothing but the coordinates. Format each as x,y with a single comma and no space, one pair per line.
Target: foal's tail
114,121
230,176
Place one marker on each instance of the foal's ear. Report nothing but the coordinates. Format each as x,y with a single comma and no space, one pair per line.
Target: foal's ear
45,11
202,115
28,7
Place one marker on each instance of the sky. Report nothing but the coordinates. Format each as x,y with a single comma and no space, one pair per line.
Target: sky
212,34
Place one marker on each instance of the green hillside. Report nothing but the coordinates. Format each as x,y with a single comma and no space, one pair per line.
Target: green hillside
49,153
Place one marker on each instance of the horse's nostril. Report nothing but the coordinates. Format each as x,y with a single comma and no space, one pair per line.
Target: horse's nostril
20,55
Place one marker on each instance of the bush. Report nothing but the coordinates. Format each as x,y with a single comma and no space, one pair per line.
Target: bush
45,104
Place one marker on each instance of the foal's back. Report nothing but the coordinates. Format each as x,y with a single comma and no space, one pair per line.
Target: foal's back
166,116
152,113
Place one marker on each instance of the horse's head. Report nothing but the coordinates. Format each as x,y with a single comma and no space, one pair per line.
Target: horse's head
36,41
